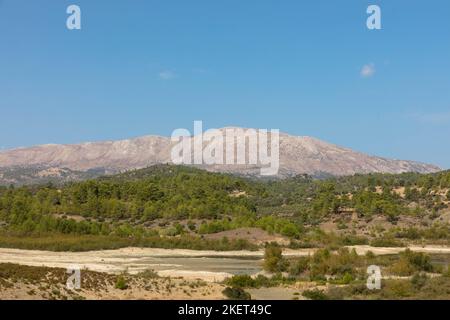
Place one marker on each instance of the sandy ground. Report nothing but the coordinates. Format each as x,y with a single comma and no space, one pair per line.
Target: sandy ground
177,282
292,292
24,291
382,251
47,285
134,260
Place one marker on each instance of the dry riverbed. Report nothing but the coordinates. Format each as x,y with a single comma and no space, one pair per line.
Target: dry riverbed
211,266
178,273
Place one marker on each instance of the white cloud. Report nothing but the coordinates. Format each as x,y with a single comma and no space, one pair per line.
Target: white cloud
368,70
167,75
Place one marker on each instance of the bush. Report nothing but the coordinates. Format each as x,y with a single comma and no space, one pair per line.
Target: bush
419,280
241,281
273,259
386,242
245,281
411,262
148,274
314,295
121,283
63,242
342,264
370,255
352,240
347,278
299,266
236,294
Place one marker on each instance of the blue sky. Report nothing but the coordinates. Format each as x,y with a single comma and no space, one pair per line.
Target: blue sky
149,67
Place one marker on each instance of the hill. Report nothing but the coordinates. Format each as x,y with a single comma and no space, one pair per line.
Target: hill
169,205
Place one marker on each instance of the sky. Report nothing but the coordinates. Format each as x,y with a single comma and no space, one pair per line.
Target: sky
309,68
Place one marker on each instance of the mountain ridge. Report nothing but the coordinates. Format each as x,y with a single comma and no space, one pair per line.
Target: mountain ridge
298,155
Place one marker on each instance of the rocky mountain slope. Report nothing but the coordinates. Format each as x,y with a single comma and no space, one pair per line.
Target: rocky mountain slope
298,155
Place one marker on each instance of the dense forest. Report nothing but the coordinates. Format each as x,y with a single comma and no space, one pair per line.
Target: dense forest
174,201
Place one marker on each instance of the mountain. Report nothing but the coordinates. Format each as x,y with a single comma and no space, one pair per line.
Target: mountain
298,155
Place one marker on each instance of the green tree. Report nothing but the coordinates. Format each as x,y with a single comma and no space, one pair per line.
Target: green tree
273,258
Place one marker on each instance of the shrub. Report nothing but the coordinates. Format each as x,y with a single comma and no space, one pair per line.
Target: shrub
236,294
241,281
347,278
398,289
299,266
386,242
411,262
343,263
273,259
245,281
370,255
419,280
315,295
148,274
419,260
121,283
